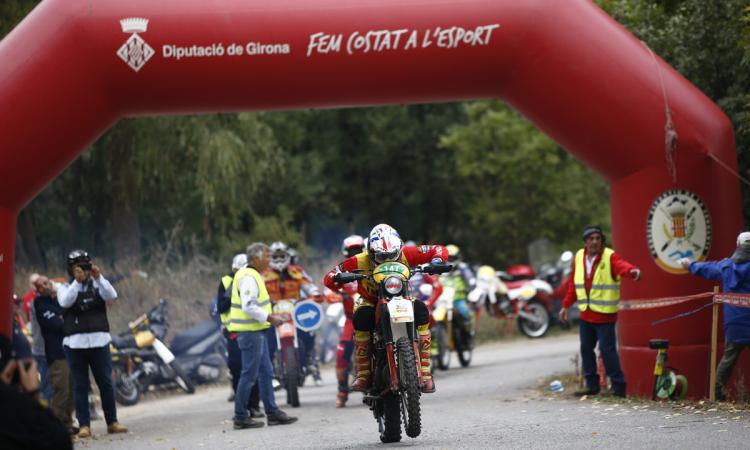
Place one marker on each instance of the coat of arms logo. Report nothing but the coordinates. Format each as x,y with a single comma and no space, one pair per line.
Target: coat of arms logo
679,226
135,51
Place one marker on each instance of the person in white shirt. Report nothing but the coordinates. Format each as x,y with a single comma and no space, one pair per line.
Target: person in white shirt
249,317
87,338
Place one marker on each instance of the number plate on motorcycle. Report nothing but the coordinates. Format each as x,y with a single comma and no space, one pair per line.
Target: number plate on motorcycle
401,310
286,329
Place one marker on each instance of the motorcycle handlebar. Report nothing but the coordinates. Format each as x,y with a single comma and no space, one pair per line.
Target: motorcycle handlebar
430,269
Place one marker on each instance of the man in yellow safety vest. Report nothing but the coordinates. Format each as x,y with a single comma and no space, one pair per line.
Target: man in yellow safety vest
249,317
595,284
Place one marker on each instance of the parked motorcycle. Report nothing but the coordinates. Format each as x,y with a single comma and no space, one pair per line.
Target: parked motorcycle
201,351
397,372
140,359
449,333
558,276
515,295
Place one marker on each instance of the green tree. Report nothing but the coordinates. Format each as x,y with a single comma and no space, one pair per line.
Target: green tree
520,186
709,43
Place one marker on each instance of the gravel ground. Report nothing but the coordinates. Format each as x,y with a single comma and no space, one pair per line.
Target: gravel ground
495,403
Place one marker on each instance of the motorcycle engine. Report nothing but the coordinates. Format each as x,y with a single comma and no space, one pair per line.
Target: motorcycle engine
150,367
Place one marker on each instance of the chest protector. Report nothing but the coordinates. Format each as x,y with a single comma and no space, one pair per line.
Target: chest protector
455,280
88,314
368,288
284,285
604,295
239,320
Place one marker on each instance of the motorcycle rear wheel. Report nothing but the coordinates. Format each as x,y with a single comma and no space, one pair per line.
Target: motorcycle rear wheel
391,419
531,329
464,340
410,392
291,376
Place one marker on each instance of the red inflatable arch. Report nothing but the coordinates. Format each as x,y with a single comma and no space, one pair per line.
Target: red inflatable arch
73,68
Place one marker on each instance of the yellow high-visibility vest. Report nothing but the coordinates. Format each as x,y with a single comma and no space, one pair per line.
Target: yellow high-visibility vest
226,280
239,320
604,296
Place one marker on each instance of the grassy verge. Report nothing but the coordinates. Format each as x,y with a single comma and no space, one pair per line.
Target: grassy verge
573,381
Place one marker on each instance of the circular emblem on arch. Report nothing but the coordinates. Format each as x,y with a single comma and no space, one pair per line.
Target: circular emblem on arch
679,226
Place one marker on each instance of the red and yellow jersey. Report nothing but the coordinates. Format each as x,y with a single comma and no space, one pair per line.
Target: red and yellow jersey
411,256
286,284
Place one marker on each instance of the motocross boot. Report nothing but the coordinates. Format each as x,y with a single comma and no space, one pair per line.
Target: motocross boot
343,395
425,340
361,358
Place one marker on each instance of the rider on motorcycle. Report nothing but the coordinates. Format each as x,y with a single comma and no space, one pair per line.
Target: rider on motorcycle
385,244
352,245
287,281
462,280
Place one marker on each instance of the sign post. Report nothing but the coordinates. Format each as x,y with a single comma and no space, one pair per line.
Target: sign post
714,339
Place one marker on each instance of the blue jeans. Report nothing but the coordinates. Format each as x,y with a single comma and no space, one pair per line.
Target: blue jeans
46,387
270,335
256,366
100,361
604,333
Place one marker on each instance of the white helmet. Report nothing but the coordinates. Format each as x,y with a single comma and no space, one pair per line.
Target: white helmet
352,245
384,244
239,261
280,256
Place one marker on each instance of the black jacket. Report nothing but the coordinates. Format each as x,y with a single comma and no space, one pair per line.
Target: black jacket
49,315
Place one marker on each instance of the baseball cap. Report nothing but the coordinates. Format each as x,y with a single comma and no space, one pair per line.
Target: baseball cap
743,238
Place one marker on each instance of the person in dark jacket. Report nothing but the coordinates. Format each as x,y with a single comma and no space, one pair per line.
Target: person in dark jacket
49,316
734,273
87,339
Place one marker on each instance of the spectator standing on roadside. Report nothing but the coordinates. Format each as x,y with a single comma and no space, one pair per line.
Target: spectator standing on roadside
37,342
234,357
249,316
734,273
595,284
49,316
87,338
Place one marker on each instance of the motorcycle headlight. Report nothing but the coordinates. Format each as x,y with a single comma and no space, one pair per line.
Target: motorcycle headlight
393,285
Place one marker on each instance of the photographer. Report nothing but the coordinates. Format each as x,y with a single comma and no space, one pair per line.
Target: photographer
86,342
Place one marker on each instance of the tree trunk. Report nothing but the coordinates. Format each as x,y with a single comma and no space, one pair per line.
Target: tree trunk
29,244
126,235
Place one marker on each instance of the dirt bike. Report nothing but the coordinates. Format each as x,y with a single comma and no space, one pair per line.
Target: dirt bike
395,391
449,333
140,359
527,301
290,370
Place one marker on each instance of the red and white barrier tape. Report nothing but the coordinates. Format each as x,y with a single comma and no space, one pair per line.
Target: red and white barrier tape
742,300
661,302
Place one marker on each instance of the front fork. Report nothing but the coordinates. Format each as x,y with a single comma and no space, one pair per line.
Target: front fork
411,332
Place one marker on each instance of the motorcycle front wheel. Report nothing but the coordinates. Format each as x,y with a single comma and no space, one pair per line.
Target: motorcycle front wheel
539,327
440,336
127,391
464,340
291,376
409,383
181,378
